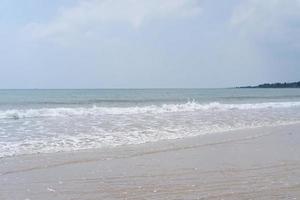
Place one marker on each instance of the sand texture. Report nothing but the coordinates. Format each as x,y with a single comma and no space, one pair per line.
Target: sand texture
262,163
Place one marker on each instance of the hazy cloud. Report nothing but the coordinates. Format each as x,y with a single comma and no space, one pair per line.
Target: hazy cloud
88,15
266,18
148,43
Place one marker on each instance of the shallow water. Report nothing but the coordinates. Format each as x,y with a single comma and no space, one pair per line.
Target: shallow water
33,121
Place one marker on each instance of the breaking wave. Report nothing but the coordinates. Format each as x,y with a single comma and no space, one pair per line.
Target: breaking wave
151,109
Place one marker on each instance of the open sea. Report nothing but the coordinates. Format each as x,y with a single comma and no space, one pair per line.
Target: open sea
46,121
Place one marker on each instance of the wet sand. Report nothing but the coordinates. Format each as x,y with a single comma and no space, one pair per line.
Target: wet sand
262,163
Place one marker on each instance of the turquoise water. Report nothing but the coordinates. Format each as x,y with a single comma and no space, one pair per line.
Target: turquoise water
33,121
125,97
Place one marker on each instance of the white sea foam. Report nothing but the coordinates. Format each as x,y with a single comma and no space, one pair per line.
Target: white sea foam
154,109
49,130
67,143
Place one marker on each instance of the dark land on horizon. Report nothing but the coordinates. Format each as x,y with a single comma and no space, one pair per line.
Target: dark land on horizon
276,85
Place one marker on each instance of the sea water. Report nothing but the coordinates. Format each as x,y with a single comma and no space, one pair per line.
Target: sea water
45,121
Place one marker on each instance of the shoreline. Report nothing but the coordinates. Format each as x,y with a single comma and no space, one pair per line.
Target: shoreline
105,148
259,163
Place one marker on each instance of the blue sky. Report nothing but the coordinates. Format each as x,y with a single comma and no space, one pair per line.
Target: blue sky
148,43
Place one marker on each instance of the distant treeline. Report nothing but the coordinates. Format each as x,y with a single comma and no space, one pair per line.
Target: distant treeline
276,85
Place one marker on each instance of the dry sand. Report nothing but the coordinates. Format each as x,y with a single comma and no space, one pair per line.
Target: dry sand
262,163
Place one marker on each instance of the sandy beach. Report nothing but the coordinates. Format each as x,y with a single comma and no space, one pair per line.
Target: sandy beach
149,100
260,163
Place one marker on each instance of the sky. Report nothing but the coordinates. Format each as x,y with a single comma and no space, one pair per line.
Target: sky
148,43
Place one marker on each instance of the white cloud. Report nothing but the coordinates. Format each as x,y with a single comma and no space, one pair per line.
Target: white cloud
272,27
268,17
87,15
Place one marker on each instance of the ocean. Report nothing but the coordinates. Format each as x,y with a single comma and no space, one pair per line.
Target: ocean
47,121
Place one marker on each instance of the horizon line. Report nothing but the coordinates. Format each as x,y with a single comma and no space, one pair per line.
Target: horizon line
116,88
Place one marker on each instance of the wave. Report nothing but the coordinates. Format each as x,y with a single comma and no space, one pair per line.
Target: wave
89,102
152,109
